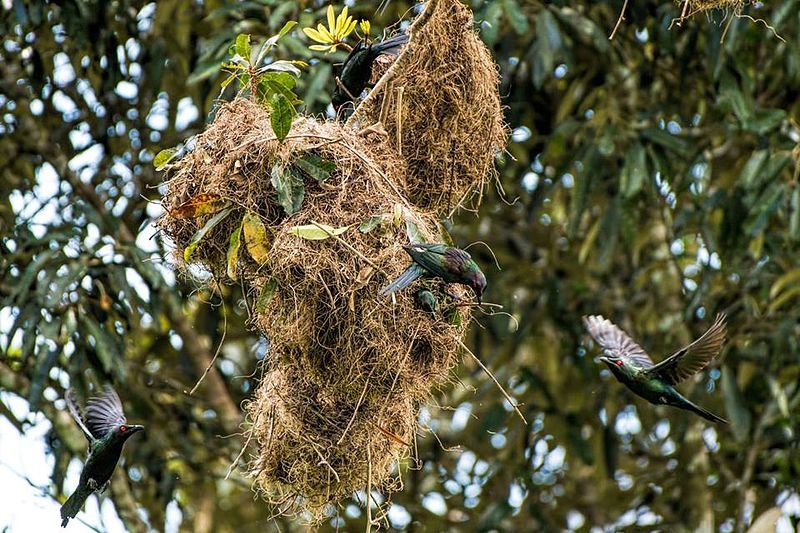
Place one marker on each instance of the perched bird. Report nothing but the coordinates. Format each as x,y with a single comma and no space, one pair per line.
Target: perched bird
107,430
357,68
425,300
453,265
655,382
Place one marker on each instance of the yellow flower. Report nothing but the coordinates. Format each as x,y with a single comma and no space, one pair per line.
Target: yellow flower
365,27
338,29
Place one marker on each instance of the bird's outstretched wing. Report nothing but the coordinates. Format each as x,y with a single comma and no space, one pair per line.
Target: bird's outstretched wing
404,279
693,358
104,413
77,414
616,341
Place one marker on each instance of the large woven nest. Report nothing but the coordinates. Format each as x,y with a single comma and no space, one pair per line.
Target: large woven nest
347,367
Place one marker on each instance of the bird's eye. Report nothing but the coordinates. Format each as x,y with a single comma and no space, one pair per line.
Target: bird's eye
618,363
123,428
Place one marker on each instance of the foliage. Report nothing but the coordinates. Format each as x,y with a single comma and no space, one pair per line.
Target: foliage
651,178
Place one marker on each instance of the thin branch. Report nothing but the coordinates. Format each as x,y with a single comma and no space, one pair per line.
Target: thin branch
499,386
619,20
219,346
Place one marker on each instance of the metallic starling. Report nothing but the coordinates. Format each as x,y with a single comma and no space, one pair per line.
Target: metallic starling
654,382
425,300
107,430
452,265
357,68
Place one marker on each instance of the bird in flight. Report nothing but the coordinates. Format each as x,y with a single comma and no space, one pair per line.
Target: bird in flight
106,428
452,265
631,365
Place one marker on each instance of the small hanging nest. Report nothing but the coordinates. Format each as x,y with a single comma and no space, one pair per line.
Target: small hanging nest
441,106
312,227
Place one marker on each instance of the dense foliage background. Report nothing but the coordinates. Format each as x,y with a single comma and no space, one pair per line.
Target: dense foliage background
652,178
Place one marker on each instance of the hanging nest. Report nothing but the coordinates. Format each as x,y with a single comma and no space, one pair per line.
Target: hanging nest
692,7
312,244
441,107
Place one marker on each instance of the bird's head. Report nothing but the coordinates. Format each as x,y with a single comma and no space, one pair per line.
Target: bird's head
477,281
614,362
125,431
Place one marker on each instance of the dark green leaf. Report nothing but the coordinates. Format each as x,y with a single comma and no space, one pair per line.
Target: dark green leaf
281,115
315,167
265,296
735,405
289,187
198,236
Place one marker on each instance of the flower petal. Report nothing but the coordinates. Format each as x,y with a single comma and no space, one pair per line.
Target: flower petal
325,33
331,18
314,35
320,47
350,28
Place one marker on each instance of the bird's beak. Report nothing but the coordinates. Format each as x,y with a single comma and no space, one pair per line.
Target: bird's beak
604,359
135,428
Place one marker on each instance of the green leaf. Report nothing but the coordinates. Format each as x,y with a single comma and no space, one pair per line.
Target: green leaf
283,78
748,177
373,222
265,296
243,45
413,232
233,250
315,167
107,350
634,173
255,237
516,18
316,232
735,405
281,116
198,236
270,87
546,48
287,28
289,187
163,158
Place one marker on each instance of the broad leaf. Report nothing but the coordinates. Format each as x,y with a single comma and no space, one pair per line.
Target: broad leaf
413,232
317,232
162,158
202,232
203,204
255,237
265,296
233,250
289,187
243,46
315,167
372,223
281,115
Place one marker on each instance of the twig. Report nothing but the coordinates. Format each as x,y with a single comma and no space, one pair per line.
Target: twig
369,490
619,20
496,262
399,119
355,411
241,452
219,347
499,386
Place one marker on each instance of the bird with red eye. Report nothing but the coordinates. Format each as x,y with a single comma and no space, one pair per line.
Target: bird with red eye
631,365
107,430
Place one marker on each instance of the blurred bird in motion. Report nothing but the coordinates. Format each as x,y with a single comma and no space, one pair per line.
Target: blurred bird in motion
450,264
357,68
426,300
106,428
631,365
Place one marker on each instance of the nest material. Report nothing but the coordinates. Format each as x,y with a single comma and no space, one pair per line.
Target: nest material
347,367
697,6
341,355
441,106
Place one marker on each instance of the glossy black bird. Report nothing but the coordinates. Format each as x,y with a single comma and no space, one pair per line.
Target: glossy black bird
107,430
655,382
452,265
425,300
357,68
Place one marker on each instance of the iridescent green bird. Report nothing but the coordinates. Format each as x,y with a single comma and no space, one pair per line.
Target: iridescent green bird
631,365
452,265
107,430
426,300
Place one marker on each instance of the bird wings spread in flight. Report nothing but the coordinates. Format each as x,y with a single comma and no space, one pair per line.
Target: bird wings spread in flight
103,413
612,339
693,358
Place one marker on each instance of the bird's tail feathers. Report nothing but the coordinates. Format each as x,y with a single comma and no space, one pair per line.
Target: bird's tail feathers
403,280
708,415
73,505
390,45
